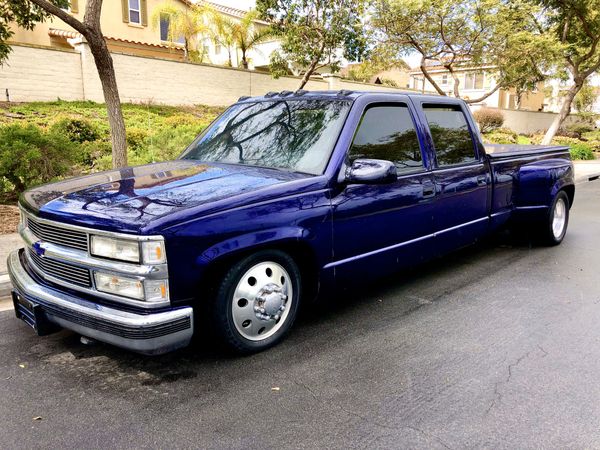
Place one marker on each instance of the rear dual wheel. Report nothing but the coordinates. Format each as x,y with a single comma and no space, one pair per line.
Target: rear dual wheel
555,226
257,301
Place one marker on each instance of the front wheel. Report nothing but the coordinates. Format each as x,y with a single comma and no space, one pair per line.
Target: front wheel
557,221
257,301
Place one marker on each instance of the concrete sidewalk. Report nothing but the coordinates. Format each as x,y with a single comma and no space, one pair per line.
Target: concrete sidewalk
8,243
586,170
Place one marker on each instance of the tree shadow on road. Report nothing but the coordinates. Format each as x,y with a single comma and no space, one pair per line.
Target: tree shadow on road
323,325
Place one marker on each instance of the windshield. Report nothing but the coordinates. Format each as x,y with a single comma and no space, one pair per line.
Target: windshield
291,134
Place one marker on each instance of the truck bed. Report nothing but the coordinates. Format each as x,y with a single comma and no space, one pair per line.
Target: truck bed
499,151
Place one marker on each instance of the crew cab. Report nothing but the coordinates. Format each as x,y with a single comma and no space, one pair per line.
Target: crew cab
283,199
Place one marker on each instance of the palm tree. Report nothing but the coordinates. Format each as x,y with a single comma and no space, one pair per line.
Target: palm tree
223,31
184,25
247,36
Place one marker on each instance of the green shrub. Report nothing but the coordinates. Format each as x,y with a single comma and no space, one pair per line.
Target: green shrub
591,135
169,143
137,138
575,130
89,153
565,140
48,140
488,119
30,156
581,151
76,130
501,136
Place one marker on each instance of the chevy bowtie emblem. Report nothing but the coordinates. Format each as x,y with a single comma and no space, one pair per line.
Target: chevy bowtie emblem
37,247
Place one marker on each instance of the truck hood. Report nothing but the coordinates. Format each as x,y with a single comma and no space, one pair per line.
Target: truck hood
132,197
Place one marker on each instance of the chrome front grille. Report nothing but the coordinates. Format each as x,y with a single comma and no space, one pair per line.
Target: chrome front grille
60,270
58,235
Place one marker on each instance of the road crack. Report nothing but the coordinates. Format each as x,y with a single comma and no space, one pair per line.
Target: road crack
497,394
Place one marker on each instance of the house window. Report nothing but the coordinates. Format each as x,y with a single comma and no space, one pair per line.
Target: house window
205,47
164,27
473,81
444,80
218,49
135,15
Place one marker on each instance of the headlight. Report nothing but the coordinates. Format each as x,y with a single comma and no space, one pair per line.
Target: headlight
112,248
153,252
126,287
148,290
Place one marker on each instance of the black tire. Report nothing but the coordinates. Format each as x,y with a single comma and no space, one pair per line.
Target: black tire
550,236
223,317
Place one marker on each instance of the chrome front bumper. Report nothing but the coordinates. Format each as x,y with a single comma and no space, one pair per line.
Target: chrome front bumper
150,333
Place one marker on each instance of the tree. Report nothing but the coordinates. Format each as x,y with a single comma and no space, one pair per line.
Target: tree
502,36
315,33
223,31
586,98
577,25
91,31
184,24
24,15
368,68
247,36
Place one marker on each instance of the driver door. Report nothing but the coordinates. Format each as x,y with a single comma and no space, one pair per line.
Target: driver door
378,228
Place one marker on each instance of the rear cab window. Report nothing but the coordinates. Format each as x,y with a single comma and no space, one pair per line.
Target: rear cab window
388,132
451,135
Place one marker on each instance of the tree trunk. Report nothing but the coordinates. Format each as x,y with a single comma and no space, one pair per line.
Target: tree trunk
106,72
564,112
308,73
456,87
431,80
244,60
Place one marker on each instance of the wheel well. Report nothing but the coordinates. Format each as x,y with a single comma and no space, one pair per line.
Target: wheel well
301,253
570,191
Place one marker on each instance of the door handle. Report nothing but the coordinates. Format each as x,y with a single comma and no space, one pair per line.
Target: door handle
428,191
482,180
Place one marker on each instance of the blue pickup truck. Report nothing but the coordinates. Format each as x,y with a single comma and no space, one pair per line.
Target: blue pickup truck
281,199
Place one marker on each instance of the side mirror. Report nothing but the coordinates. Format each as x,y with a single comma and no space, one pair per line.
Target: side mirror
371,171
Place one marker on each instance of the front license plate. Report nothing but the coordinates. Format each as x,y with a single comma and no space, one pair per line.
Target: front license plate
31,313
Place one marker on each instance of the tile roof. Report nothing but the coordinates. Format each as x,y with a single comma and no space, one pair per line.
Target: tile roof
239,13
67,34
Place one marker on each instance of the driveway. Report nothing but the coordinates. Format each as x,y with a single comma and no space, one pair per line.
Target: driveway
497,346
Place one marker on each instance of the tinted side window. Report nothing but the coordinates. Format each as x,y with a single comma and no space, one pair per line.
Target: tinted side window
388,132
451,135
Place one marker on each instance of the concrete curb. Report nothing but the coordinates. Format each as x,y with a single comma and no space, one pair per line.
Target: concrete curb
5,285
6,303
587,177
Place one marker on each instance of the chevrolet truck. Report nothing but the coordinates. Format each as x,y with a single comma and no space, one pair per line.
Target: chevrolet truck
282,200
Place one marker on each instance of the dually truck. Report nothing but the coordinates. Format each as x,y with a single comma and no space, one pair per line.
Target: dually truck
283,199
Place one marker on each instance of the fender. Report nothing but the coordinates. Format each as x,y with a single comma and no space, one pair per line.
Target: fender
538,182
250,241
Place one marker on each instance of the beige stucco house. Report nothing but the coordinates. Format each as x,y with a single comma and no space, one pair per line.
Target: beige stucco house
474,83
127,27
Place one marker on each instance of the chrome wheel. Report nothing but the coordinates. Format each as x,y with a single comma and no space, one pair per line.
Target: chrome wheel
262,301
559,218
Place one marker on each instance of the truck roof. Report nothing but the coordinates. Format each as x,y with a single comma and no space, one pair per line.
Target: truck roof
342,94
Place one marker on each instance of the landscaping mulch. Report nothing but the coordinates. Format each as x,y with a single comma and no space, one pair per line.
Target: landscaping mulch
9,219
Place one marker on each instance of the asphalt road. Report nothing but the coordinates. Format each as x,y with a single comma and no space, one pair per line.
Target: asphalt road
494,347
